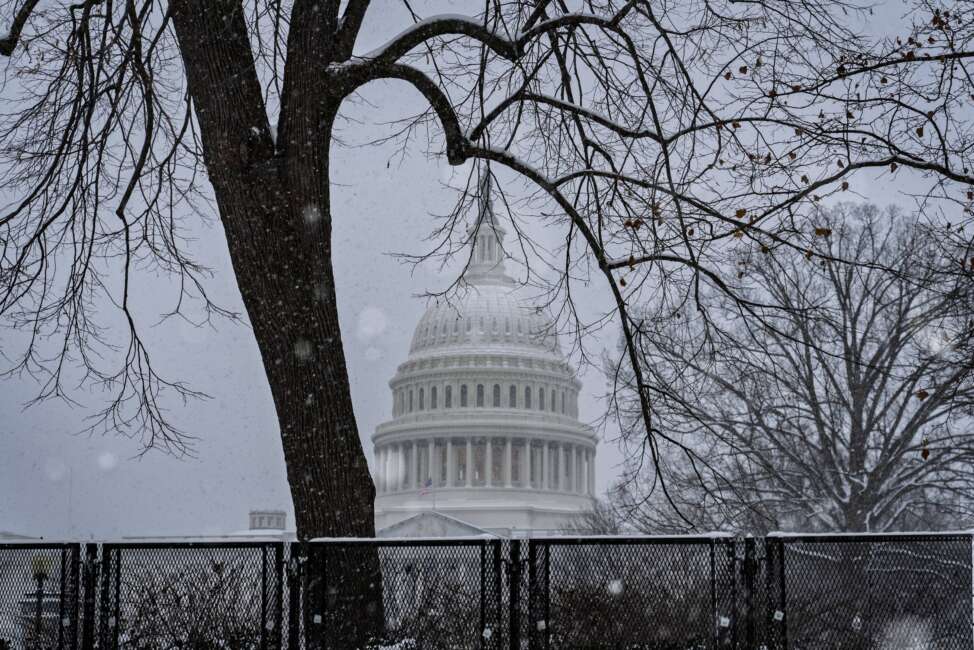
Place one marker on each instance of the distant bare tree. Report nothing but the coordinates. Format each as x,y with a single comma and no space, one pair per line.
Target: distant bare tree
849,410
200,607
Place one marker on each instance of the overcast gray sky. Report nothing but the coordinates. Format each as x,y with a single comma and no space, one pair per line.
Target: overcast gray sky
55,484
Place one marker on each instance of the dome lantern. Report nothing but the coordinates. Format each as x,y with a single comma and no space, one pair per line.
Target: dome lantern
486,265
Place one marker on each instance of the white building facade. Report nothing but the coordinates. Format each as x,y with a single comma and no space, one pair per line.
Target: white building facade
485,424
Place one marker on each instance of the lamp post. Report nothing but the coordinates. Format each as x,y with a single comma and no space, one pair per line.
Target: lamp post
41,567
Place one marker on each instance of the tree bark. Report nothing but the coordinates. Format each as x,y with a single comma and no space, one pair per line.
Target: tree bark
274,205
276,214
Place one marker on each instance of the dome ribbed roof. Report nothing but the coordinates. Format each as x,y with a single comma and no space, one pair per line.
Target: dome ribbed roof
485,316
489,310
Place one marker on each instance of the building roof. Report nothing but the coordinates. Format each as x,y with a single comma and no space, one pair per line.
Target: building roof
432,524
7,535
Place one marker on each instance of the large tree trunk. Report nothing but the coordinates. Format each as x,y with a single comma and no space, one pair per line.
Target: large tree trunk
274,205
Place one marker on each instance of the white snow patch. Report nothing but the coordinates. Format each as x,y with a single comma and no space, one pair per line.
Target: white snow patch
372,323
302,349
55,469
311,214
107,461
908,633
373,353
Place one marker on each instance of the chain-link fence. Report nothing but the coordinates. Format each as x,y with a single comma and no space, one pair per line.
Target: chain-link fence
882,592
40,593
872,591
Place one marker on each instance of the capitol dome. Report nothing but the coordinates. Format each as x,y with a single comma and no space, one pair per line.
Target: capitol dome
484,424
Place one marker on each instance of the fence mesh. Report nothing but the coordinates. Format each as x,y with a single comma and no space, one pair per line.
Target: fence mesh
39,595
434,594
875,592
191,596
867,592
632,593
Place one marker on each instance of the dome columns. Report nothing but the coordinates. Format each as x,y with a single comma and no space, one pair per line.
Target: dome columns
496,462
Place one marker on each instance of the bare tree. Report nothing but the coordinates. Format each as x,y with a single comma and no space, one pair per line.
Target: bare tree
654,136
848,410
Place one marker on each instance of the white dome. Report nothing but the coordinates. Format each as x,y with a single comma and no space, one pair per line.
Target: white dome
485,317
485,422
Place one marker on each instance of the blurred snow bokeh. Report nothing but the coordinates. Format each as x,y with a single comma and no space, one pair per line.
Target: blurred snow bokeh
107,461
372,323
55,469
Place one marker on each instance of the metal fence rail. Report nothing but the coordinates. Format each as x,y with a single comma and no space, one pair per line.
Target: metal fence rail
662,593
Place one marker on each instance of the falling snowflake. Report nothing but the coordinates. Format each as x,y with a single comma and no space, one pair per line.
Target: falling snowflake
311,214
373,353
615,587
321,291
372,322
302,349
107,461
55,469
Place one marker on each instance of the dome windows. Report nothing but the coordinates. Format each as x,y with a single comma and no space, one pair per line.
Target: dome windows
428,396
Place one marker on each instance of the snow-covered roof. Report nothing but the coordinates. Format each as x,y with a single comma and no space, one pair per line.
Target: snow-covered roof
432,524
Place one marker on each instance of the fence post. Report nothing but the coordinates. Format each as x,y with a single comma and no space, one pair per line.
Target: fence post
498,605
776,620
483,595
90,590
75,594
780,543
104,576
750,572
277,638
294,588
88,621
514,602
731,635
714,614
